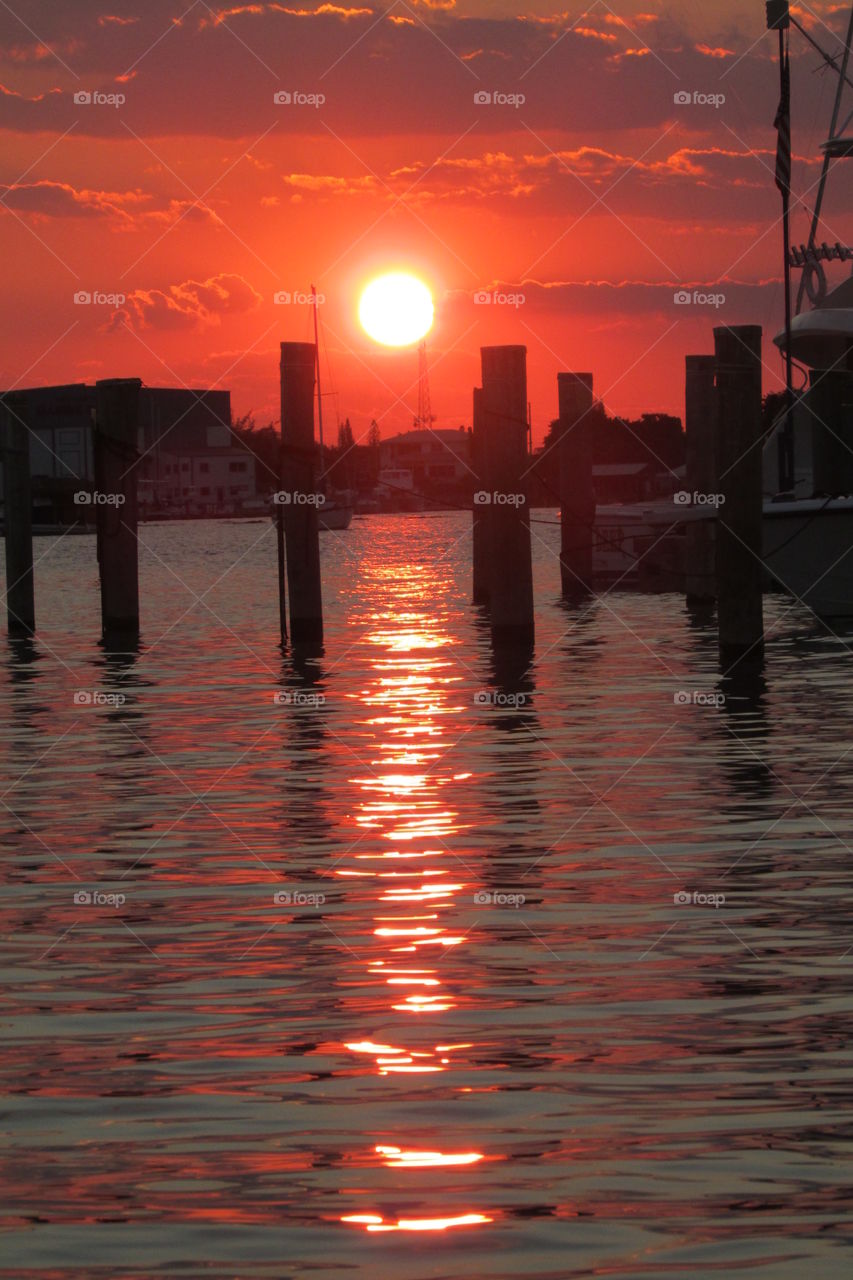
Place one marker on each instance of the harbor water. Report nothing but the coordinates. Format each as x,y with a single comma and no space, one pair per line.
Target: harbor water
398,962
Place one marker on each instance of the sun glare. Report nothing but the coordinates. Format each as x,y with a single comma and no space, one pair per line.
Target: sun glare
396,309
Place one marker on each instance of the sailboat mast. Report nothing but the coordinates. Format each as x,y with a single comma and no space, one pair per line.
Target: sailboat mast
317,371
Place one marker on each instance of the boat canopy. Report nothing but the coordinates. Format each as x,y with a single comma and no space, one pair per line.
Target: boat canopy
822,337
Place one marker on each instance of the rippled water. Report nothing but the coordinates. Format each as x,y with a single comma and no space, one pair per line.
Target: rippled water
399,985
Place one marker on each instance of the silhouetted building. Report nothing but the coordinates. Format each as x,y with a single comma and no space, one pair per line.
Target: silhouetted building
439,461
623,481
190,462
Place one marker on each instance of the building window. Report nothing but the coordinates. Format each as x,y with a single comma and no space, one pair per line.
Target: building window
236,466
204,467
205,491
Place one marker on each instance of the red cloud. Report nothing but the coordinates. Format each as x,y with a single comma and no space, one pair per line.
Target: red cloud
219,16
23,97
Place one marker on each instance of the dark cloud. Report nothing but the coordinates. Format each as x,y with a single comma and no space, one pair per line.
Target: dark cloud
46,199
125,210
190,305
414,68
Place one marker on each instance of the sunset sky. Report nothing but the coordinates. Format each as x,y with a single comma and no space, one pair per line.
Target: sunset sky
589,203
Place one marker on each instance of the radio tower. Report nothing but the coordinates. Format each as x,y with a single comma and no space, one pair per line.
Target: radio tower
425,417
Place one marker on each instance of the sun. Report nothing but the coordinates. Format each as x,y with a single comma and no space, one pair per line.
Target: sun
396,309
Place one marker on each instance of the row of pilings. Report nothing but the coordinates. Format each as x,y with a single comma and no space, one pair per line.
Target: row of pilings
724,437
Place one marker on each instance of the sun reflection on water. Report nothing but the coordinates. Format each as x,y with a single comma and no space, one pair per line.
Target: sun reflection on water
408,824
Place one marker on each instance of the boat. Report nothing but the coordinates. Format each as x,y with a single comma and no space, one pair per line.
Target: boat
808,524
641,546
334,515
807,528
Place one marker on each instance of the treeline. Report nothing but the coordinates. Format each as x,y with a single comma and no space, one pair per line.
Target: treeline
653,437
346,464
656,438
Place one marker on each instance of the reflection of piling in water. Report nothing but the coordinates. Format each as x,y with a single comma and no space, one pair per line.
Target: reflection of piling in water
479,529
577,495
701,473
20,598
739,569
116,455
504,409
301,528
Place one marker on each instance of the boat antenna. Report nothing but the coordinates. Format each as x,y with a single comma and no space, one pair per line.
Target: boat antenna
779,19
838,147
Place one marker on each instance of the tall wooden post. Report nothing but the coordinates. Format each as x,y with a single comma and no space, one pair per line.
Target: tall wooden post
504,407
18,517
116,454
577,494
480,526
281,558
301,527
739,543
701,474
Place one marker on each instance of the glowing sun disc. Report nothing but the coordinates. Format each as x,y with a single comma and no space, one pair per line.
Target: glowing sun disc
396,309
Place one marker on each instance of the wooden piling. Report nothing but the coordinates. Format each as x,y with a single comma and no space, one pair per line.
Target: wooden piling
301,527
504,408
700,475
479,529
18,517
577,494
281,560
739,568
116,510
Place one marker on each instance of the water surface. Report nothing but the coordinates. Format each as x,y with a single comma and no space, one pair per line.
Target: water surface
380,964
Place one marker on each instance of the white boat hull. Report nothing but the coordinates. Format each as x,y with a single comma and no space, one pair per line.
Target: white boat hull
333,517
808,548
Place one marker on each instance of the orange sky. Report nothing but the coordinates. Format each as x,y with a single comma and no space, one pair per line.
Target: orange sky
588,204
